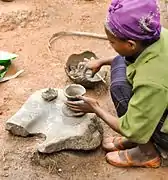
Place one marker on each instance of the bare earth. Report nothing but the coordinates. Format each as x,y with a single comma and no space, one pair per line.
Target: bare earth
25,29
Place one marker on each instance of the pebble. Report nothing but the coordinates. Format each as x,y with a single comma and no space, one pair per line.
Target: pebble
59,170
95,174
5,175
6,168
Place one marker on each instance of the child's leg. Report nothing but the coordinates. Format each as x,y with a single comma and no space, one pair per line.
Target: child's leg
142,155
121,92
159,138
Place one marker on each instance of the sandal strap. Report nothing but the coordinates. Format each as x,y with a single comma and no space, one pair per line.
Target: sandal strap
154,162
151,163
120,143
118,140
113,141
128,158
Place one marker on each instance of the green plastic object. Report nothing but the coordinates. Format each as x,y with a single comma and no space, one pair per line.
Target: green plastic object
5,60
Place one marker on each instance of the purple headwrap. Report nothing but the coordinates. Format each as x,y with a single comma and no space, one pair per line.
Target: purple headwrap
134,19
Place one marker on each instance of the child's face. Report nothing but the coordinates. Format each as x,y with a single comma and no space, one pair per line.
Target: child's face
124,48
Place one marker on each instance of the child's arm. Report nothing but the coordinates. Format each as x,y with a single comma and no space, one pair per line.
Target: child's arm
95,65
90,105
106,61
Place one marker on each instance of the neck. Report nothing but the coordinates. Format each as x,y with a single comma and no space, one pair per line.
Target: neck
140,50
133,58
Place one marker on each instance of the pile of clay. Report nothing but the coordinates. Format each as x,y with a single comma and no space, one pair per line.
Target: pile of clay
78,75
78,72
50,94
43,114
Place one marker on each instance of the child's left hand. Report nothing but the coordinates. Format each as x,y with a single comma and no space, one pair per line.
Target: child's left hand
86,104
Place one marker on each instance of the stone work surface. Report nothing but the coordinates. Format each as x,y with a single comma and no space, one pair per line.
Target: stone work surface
38,116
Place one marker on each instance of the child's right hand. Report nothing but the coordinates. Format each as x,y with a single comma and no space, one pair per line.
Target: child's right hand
91,64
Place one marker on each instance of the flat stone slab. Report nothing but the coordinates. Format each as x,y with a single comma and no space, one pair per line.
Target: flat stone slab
62,132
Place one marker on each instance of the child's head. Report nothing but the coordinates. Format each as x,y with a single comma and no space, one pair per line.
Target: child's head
132,25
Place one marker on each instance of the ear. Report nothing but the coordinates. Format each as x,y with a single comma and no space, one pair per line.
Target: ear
132,44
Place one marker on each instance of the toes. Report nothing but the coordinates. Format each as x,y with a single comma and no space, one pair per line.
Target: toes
113,157
108,139
108,146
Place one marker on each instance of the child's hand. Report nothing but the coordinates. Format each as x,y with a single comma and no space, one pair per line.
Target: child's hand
90,64
86,104
2,67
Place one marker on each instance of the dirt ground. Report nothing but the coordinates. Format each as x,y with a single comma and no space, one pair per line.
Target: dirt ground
25,27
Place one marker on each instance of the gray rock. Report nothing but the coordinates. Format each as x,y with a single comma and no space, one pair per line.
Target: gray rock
38,116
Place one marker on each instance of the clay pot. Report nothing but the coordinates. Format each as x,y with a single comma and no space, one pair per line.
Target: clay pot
72,63
73,90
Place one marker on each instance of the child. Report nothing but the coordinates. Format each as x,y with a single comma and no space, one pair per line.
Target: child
139,85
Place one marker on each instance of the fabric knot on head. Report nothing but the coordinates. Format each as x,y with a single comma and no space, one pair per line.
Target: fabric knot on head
115,6
145,23
134,19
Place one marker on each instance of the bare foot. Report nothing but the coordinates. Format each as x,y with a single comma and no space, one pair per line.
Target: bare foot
141,156
111,143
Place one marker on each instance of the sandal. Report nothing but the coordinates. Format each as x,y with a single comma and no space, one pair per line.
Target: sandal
114,159
117,144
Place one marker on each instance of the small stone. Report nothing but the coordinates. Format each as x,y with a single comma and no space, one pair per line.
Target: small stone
6,168
73,167
5,175
95,174
23,24
24,16
59,170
